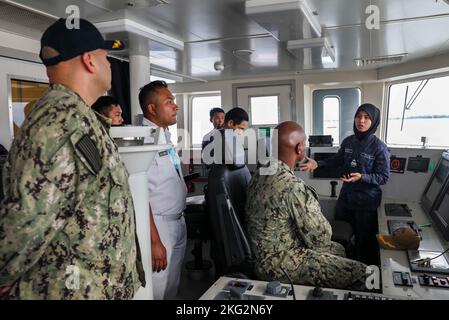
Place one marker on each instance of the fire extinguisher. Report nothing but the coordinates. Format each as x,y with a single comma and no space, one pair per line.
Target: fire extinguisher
190,185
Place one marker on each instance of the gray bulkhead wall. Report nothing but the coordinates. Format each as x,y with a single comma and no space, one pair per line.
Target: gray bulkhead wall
407,186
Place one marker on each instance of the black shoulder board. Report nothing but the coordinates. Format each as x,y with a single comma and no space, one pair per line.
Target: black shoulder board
88,149
163,153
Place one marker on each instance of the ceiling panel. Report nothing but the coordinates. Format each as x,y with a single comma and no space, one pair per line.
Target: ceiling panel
284,24
411,37
213,29
348,12
58,7
202,19
31,25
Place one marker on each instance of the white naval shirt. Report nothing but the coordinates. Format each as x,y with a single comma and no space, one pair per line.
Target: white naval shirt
234,149
166,186
208,135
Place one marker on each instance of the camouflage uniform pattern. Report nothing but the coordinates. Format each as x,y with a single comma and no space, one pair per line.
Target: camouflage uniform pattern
287,229
61,215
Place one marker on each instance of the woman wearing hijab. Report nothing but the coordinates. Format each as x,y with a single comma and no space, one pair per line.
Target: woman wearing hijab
364,160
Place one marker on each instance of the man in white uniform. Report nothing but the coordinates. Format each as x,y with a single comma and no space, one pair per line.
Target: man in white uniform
235,123
217,116
167,193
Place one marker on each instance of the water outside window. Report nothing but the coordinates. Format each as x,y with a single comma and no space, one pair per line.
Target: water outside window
417,109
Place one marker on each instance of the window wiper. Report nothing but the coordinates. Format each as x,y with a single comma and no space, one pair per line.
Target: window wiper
405,107
415,95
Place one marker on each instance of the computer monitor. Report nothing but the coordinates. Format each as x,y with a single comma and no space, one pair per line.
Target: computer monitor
326,172
440,213
320,141
434,188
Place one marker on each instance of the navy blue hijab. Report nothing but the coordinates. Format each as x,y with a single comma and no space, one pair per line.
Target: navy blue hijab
374,114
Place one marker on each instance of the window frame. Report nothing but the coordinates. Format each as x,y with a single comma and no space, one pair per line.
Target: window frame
386,110
9,78
190,108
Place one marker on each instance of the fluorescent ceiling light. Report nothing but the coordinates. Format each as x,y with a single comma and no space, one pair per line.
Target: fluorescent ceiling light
328,53
139,29
154,78
305,43
267,6
326,58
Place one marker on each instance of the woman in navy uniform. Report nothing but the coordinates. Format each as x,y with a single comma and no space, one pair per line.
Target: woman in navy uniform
364,160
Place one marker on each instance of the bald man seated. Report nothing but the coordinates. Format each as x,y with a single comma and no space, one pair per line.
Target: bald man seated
287,230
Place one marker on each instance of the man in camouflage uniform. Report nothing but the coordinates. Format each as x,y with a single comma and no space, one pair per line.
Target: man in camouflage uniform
67,225
287,229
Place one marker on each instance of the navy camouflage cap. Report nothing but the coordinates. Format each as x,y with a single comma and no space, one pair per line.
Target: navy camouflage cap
72,42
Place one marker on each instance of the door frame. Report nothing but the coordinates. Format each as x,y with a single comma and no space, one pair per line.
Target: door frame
291,83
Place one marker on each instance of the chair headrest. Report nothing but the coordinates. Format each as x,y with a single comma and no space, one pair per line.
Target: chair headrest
3,150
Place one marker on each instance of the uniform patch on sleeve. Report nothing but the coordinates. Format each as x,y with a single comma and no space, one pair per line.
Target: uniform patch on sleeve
313,191
90,152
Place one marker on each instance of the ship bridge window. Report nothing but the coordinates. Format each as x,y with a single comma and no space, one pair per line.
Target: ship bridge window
419,109
264,110
24,95
333,112
331,117
200,121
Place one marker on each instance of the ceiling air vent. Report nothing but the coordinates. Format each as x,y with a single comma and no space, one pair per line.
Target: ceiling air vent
242,52
394,58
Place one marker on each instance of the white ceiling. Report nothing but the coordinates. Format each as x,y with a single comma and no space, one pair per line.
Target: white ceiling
213,29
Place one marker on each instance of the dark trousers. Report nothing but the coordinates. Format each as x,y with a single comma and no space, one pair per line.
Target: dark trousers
365,226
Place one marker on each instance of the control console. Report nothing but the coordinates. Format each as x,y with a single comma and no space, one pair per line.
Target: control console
363,296
402,279
243,289
434,281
